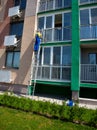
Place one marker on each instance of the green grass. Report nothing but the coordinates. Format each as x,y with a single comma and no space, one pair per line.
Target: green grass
11,119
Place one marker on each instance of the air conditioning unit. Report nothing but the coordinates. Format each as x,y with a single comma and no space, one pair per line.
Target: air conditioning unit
5,76
10,40
14,11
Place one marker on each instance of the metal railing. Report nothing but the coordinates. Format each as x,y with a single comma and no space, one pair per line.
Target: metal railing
89,72
56,34
88,32
51,73
87,2
46,5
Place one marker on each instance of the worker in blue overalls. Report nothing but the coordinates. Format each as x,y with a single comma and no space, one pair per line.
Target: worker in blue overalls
38,37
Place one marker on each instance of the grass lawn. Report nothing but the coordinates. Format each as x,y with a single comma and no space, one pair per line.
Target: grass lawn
11,119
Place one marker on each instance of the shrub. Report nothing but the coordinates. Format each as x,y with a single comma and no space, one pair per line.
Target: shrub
73,114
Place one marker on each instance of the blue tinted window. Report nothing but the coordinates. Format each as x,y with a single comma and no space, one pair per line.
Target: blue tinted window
13,59
67,19
23,4
9,59
16,2
16,29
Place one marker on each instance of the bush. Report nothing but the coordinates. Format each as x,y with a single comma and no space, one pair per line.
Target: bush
63,112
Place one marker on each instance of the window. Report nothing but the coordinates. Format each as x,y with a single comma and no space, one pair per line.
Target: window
56,63
16,2
58,27
58,4
49,4
66,55
84,17
56,55
92,58
21,3
87,1
16,29
41,23
67,3
49,22
88,21
12,59
67,26
46,56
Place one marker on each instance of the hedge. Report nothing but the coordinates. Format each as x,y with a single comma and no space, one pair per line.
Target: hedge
72,114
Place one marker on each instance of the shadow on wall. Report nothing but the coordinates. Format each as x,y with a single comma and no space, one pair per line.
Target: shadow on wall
23,74
2,58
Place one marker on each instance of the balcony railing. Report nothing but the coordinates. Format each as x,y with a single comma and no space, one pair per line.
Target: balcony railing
46,5
52,73
87,2
88,32
56,34
89,73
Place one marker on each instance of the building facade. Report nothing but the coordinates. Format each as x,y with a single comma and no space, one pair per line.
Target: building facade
68,54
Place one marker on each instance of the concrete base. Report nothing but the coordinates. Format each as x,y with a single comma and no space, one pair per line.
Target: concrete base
75,95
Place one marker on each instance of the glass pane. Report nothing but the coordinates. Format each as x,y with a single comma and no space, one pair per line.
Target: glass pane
84,1
56,55
67,19
49,22
67,33
55,72
49,4
41,23
67,3
58,3
9,59
16,29
66,73
92,58
16,2
85,32
84,17
16,59
46,56
48,35
94,31
66,55
58,34
23,4
45,72
42,5
94,15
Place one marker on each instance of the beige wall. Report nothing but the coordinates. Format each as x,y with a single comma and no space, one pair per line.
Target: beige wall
22,76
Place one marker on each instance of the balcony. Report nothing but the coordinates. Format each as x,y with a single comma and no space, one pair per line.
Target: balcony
89,73
52,73
56,34
47,5
10,40
14,11
88,32
82,2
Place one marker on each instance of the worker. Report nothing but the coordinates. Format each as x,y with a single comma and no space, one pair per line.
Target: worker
38,37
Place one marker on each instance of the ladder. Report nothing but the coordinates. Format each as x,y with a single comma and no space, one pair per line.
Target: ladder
34,69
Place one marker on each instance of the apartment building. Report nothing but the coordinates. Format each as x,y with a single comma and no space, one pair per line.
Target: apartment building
68,56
